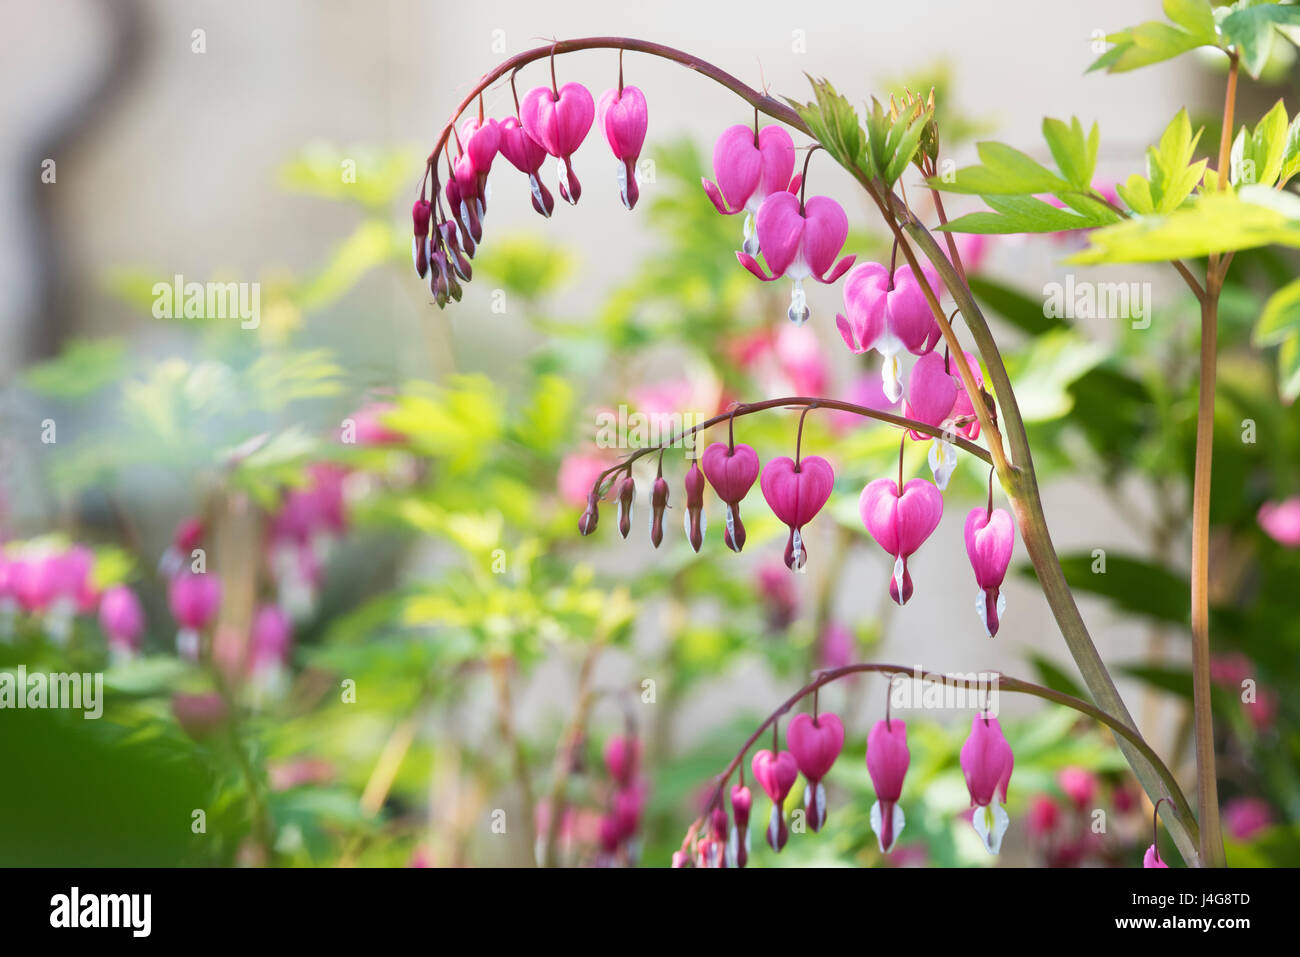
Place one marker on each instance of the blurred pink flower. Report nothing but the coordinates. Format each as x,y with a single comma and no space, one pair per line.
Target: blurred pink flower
367,426
835,650
1281,521
1246,816
577,475
1079,785
1044,815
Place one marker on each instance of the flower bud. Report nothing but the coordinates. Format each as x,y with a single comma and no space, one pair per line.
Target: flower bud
420,214
695,519
626,496
658,502
738,845
587,523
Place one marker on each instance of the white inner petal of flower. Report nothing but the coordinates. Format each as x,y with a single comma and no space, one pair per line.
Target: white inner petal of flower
898,575
799,311
891,377
796,549
750,244
943,462
877,825
731,527
991,824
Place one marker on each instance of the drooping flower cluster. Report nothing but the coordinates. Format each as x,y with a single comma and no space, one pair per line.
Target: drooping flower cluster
814,742
550,121
621,822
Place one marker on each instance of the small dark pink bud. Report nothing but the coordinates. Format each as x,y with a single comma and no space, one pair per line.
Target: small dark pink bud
695,518
626,496
622,757
738,845
420,214
658,503
718,821
587,523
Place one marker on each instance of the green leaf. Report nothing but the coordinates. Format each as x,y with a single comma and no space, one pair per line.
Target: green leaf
85,366
1250,30
1288,365
1144,45
834,123
1212,222
1057,678
1290,153
1281,316
1004,171
1027,214
1132,584
1075,153
1194,16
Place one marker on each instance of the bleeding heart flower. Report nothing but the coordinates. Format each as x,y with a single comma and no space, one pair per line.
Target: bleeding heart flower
887,761
658,503
694,520
122,618
749,168
590,516
1281,521
271,639
1079,785
623,115
480,141
1152,858
815,743
796,492
731,470
888,312
738,843
800,240
987,762
937,397
193,599
559,121
421,213
990,538
900,524
622,757
199,715
626,496
776,774
526,155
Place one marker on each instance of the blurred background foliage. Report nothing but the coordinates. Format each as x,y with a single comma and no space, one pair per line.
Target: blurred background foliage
457,585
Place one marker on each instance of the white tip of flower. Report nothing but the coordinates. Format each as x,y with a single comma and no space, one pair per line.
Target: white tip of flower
981,609
733,847
731,528
799,311
891,377
797,555
943,462
187,644
898,575
750,244
620,176
536,186
877,826
415,252
774,824
991,824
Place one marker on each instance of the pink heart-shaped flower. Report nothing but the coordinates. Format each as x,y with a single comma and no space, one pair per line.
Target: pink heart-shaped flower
748,173
815,743
523,152
623,116
931,392
559,122
775,773
900,524
731,472
797,493
990,538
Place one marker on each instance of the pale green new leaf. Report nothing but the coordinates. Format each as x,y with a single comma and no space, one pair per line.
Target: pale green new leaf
1075,153
1281,316
1212,222
1250,29
1027,214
